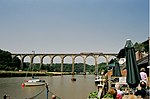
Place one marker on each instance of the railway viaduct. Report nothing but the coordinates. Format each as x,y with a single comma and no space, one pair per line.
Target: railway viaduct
62,56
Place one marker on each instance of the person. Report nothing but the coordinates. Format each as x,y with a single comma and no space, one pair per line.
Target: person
141,89
143,75
47,87
5,97
148,88
119,92
113,92
53,97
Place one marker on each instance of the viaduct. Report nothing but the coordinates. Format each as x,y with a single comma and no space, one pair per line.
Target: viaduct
62,56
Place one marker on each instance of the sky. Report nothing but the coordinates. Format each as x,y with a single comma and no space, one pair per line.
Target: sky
72,26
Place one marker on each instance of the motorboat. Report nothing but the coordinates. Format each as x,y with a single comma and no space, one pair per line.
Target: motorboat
34,82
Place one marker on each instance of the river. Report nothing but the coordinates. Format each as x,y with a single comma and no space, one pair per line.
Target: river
62,86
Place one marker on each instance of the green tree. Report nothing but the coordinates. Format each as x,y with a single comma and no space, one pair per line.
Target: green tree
16,63
5,60
139,47
146,46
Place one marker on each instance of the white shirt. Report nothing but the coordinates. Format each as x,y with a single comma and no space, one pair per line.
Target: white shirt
143,76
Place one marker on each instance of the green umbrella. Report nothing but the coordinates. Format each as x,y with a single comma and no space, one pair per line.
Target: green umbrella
116,69
111,64
114,64
133,76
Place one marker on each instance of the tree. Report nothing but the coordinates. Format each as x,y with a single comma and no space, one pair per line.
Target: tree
139,48
16,63
146,46
5,59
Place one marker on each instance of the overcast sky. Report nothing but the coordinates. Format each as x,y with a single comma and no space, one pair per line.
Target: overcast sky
71,26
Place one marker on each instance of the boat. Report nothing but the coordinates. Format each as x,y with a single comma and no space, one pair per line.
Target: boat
34,82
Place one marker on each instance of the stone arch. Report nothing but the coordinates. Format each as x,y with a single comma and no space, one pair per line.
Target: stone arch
36,59
57,59
81,60
66,59
88,56
48,60
101,61
91,60
77,56
54,57
26,59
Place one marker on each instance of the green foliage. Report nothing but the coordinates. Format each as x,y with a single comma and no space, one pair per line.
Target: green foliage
16,62
68,67
107,95
139,47
142,47
94,95
146,46
102,67
5,59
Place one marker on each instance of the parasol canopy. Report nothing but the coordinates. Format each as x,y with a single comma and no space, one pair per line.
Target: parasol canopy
114,64
133,75
116,69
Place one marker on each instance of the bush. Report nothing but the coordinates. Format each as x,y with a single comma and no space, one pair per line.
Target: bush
94,95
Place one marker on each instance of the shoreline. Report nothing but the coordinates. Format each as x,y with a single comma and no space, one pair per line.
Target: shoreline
29,73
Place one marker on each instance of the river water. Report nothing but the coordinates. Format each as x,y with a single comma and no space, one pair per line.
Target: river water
61,86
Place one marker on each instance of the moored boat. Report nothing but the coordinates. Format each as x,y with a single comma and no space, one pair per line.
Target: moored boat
34,82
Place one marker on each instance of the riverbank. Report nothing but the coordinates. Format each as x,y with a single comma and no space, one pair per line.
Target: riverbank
29,73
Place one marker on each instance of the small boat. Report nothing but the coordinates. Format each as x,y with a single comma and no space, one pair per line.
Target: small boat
34,82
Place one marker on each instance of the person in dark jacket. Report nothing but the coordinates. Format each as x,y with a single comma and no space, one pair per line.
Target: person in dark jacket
142,91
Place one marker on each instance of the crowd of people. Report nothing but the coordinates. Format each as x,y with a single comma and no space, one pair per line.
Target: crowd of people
141,91
117,93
